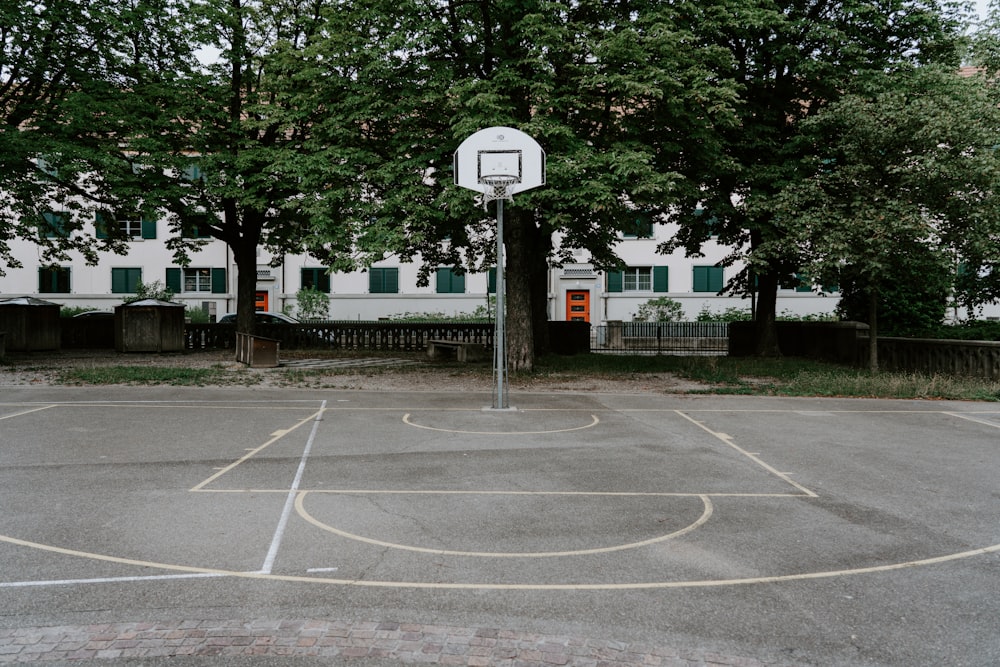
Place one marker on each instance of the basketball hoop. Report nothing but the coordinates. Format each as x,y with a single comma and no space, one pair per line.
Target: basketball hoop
497,163
498,187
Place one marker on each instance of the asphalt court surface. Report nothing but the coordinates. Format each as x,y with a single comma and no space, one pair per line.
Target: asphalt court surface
430,492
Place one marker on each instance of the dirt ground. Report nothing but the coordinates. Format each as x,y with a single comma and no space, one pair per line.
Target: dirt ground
303,370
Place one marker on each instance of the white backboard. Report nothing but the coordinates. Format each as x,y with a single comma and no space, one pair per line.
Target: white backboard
499,151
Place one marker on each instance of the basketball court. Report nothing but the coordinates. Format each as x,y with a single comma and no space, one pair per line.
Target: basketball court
407,492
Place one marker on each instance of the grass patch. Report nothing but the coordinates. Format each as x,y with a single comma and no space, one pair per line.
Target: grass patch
145,375
784,376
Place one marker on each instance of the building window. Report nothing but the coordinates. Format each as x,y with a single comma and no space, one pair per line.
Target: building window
54,225
196,280
317,279
641,227
710,221
383,281
708,279
132,226
639,279
124,281
450,282
53,280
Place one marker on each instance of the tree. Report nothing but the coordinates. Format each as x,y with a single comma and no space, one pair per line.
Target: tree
225,150
907,176
60,59
405,81
789,59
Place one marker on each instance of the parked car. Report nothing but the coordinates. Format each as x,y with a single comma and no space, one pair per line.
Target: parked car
263,317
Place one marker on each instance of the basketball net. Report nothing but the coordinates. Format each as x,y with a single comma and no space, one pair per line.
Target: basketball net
498,188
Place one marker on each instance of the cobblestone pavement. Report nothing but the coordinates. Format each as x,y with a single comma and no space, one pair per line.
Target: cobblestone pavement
406,643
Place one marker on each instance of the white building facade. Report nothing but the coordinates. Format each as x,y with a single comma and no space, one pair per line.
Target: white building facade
389,288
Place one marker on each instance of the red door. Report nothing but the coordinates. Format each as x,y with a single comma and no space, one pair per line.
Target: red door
260,301
578,306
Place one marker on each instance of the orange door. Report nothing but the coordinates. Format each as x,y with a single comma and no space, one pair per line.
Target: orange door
578,306
260,301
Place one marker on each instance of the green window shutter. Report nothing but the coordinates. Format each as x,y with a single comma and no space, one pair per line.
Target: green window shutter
101,226
219,281
318,279
640,227
54,225
449,282
383,281
307,278
803,283
148,228
124,281
491,281
54,280
615,281
661,282
443,285
392,281
708,279
715,280
174,280
119,281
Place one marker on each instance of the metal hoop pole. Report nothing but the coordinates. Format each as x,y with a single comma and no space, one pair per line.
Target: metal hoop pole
499,338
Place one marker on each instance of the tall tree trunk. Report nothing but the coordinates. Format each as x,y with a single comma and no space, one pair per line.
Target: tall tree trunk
765,324
873,330
540,248
244,249
517,252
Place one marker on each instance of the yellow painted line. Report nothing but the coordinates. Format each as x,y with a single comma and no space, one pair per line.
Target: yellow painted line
253,452
594,422
756,459
705,515
457,492
176,406
703,583
26,412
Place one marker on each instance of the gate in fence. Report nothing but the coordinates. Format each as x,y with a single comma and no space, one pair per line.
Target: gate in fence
682,338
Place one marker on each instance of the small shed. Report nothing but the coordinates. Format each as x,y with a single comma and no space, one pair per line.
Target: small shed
149,325
30,324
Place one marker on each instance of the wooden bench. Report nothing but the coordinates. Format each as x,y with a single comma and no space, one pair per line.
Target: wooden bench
463,350
257,351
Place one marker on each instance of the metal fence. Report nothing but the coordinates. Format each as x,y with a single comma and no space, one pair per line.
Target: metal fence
681,338
348,336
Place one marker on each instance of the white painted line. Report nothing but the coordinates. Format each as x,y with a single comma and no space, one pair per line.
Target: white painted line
293,492
321,569
729,441
253,452
26,412
973,419
108,580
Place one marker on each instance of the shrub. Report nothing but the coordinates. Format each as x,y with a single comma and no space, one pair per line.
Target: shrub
312,304
660,309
